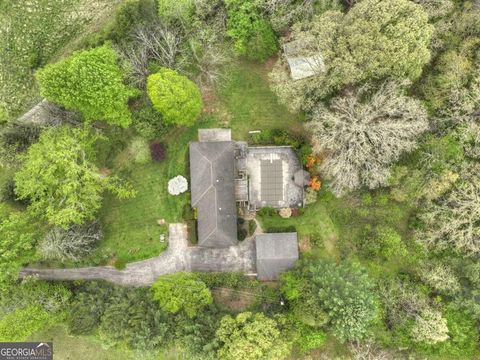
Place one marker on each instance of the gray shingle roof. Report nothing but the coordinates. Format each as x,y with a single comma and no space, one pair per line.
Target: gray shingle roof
276,253
213,192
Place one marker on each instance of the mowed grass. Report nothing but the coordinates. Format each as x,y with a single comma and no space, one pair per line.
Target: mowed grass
131,231
67,347
336,227
250,103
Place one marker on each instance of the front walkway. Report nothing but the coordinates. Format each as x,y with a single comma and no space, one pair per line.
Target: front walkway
178,257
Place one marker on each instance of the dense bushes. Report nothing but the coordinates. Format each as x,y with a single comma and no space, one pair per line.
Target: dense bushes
253,35
157,151
338,296
276,137
18,236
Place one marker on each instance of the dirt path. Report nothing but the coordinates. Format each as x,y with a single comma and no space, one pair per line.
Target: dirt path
178,257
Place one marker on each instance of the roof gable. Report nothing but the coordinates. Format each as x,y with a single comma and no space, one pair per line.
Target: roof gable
276,253
213,192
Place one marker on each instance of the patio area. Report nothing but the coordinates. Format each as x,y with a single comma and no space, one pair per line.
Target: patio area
271,172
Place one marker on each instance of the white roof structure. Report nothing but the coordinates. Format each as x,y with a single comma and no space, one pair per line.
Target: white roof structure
301,65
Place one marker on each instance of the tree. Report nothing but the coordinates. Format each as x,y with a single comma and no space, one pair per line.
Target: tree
70,244
384,39
452,221
172,10
253,35
251,336
91,82
440,277
374,40
19,324
430,327
18,236
181,292
175,97
133,317
363,133
342,292
60,179
386,244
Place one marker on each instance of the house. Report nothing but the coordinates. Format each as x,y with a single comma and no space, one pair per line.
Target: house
225,174
213,192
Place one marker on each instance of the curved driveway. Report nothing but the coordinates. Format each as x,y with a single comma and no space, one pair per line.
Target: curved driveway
178,257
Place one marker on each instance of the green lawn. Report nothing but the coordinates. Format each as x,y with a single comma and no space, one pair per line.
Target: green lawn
66,347
250,103
336,226
130,226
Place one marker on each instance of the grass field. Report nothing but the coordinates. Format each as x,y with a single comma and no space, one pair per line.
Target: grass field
250,103
335,226
66,347
33,33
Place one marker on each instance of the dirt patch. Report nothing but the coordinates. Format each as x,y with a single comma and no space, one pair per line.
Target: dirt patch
270,63
235,300
331,245
305,244
212,105
105,172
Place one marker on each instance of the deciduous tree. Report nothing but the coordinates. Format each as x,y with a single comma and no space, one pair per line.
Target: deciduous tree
70,244
91,82
374,40
181,292
61,180
251,336
363,133
253,35
452,221
175,97
342,292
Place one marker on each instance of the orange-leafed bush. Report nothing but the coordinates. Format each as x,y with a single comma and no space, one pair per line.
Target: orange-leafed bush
311,161
315,183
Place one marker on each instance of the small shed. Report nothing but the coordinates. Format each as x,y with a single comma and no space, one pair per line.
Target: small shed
302,65
276,253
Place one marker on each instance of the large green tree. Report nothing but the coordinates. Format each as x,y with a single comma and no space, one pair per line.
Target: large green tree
91,82
18,236
181,291
251,336
175,97
253,35
376,39
60,178
338,295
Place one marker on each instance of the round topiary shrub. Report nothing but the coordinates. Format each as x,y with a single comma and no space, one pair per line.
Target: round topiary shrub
175,97
177,185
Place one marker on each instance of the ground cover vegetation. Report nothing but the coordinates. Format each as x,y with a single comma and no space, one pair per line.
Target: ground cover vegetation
387,128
